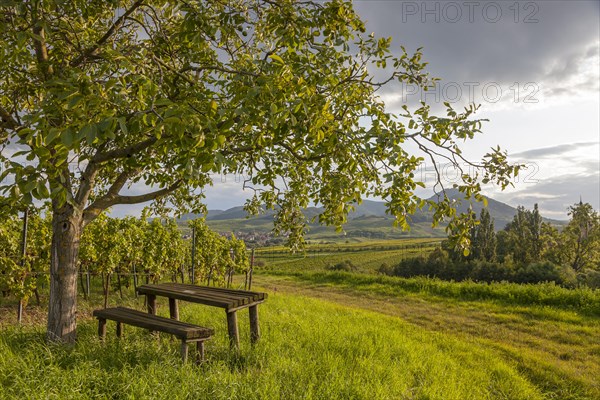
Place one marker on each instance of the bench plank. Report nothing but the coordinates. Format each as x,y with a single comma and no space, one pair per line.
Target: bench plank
140,319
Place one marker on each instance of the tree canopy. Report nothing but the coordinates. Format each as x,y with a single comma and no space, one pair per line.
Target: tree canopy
97,96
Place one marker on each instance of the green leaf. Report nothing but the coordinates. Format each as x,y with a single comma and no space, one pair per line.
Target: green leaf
67,138
74,101
90,132
163,102
42,191
123,125
276,58
52,134
27,186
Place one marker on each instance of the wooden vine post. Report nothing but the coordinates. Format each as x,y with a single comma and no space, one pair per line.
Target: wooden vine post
23,256
250,270
193,254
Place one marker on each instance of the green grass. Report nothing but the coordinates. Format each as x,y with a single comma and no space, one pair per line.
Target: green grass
310,349
540,329
583,300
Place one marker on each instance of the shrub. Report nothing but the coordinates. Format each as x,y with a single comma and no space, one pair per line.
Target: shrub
485,271
345,265
539,272
439,265
416,266
385,269
590,278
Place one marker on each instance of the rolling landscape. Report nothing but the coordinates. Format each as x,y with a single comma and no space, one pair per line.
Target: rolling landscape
369,220
121,119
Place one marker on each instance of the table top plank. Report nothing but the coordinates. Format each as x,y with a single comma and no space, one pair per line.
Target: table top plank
187,296
208,292
234,292
217,297
199,297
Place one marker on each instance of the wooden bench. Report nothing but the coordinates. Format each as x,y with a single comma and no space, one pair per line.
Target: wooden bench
185,332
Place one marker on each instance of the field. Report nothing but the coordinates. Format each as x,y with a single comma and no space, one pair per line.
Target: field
367,256
332,335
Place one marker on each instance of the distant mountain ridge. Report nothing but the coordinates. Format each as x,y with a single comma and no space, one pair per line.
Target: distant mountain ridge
369,216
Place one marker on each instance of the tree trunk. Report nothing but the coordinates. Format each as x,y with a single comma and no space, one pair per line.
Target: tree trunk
62,306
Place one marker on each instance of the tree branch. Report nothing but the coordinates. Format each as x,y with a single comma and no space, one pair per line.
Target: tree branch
121,181
87,184
41,50
93,50
300,157
142,198
123,152
110,199
91,170
217,68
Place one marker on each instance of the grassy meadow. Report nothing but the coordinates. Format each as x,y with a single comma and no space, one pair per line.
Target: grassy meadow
310,349
330,335
555,347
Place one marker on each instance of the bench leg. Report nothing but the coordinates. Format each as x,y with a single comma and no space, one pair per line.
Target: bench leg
173,309
101,328
151,300
119,329
254,329
200,352
184,350
232,328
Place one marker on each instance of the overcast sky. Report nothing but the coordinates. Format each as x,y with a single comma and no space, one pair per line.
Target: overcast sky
534,68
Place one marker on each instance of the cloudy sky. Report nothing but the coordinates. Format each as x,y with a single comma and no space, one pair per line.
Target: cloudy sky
534,68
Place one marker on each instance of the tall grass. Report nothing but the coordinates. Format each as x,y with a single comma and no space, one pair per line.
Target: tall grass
583,299
310,349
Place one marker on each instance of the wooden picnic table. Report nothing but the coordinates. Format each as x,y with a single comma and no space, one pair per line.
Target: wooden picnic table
229,299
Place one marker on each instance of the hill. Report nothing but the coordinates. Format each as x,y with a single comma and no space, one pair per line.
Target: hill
368,220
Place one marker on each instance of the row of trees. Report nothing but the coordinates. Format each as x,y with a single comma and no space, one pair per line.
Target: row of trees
120,251
527,250
528,239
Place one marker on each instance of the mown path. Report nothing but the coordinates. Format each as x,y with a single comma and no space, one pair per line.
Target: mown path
559,351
